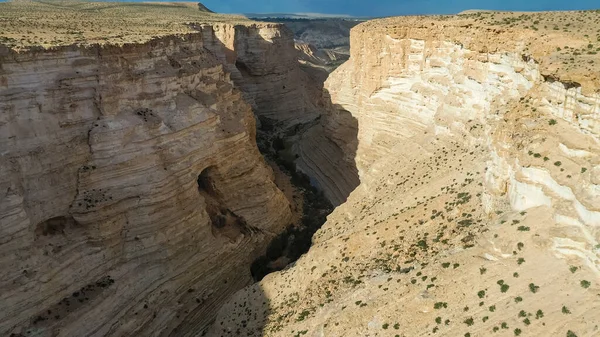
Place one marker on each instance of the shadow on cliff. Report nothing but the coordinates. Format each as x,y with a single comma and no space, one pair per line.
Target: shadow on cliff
319,158
317,153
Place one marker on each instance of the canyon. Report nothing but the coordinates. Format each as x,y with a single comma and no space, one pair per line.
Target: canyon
168,181
477,213
135,199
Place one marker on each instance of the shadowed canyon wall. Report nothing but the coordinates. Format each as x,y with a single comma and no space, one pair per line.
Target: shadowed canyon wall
290,105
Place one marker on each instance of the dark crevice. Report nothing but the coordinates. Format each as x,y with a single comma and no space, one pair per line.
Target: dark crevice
296,239
241,66
567,84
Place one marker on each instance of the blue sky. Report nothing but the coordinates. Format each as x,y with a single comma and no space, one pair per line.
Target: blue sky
391,7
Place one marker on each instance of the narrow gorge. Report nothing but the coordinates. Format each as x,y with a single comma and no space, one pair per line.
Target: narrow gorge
201,181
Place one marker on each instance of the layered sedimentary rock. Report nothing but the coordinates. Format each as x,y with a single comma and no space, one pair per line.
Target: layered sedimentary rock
289,102
325,60
264,65
326,152
134,197
322,41
478,208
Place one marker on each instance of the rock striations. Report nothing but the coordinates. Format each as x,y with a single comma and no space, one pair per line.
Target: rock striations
134,198
479,201
263,64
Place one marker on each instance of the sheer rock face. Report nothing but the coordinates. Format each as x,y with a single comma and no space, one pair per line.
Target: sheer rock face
263,63
326,152
479,203
134,197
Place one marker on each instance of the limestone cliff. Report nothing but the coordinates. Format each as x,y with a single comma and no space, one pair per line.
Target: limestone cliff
479,202
134,197
264,65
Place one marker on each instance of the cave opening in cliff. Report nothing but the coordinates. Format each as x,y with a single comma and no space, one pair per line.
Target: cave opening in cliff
224,222
54,226
206,183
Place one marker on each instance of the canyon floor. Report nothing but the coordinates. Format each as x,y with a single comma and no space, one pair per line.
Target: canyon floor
461,154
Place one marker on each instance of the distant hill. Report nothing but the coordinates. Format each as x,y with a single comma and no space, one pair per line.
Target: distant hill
475,11
297,16
203,8
322,42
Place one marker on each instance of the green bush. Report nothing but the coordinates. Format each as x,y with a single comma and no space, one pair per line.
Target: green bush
533,288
